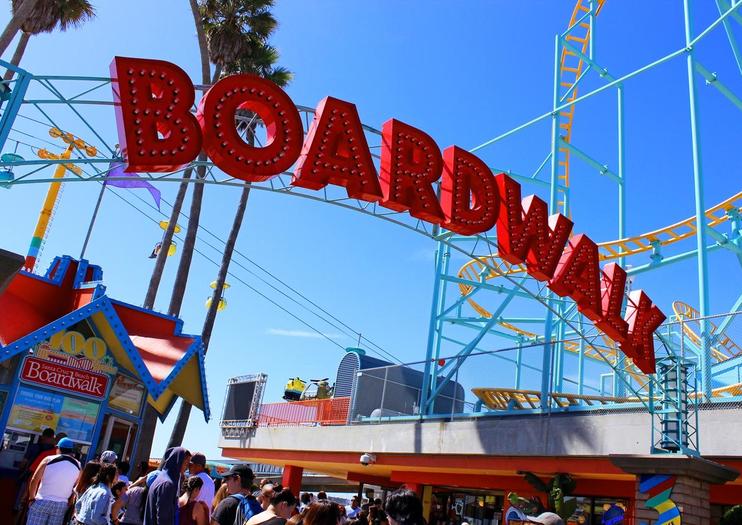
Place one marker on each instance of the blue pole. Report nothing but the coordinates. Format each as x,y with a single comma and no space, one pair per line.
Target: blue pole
546,358
619,387
703,293
433,327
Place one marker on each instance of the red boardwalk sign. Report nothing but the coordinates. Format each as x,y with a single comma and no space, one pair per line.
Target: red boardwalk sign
60,376
158,133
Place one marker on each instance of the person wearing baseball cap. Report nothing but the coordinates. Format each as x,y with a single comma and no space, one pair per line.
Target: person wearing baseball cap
197,467
52,484
546,518
109,456
240,505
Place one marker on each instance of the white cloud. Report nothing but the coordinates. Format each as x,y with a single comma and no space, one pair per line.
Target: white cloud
300,333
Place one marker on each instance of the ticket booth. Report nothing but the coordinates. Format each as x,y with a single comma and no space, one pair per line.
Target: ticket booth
74,360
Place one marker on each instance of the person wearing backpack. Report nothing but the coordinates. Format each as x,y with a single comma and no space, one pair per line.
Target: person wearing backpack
240,505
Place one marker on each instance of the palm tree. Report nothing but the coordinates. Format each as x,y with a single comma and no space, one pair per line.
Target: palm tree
20,13
149,418
244,51
45,16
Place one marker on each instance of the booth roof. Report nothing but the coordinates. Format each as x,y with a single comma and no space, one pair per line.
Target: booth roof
147,343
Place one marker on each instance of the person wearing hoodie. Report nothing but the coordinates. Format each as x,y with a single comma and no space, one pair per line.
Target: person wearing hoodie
162,499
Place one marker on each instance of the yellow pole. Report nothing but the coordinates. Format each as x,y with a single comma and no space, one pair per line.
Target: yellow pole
46,211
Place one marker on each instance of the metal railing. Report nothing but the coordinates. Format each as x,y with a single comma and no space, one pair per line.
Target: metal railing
319,412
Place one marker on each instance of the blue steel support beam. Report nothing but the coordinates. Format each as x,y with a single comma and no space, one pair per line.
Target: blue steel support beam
723,5
17,92
433,328
455,363
459,360
439,324
601,168
728,319
703,292
546,362
732,11
713,81
619,388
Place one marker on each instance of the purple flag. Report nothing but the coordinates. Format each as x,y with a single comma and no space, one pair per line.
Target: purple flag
116,169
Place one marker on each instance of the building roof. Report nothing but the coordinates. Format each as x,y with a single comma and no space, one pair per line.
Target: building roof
149,344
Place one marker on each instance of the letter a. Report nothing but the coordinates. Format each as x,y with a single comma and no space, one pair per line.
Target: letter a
336,152
153,99
578,276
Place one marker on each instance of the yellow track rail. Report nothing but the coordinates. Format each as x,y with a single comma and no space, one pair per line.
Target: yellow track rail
570,69
722,349
491,266
518,399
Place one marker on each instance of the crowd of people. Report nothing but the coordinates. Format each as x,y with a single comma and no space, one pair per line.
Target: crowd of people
56,489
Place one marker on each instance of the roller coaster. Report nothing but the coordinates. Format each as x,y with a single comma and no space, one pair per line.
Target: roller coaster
479,305
479,295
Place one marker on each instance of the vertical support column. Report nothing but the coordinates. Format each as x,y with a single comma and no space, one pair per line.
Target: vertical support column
547,355
581,361
17,93
292,478
619,386
703,295
433,345
427,498
591,43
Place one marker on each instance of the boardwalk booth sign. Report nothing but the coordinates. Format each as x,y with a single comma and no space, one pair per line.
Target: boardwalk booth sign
79,362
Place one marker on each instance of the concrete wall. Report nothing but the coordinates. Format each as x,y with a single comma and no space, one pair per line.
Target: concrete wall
576,434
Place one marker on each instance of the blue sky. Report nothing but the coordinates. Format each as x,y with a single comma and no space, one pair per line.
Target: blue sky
464,72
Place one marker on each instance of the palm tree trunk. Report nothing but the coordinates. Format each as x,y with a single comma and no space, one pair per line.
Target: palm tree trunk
149,422
176,437
157,271
18,54
189,243
19,16
202,44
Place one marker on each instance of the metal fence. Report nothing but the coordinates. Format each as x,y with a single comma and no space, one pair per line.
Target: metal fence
332,411
699,367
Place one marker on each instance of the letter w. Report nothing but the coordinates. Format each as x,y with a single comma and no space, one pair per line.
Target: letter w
525,232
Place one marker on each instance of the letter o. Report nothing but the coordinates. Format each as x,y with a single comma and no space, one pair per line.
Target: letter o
223,144
95,349
73,343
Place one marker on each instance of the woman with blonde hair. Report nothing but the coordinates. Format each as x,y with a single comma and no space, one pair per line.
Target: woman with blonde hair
221,494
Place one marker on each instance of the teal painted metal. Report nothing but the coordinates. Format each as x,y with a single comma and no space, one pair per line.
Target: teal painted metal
703,294
433,328
713,81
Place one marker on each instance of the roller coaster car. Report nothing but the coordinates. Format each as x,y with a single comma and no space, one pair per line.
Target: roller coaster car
294,389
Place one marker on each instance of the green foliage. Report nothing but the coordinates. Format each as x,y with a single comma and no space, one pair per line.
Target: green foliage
733,516
48,14
556,489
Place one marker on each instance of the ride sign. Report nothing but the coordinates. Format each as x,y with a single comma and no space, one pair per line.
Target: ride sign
158,133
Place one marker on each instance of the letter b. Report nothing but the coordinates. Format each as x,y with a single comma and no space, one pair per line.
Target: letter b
153,100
